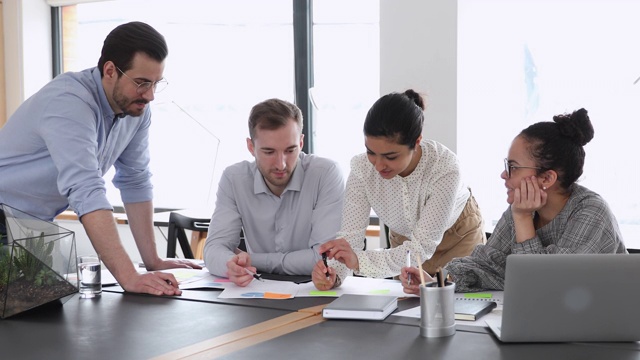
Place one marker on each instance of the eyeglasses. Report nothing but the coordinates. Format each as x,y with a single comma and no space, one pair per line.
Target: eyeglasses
508,167
143,87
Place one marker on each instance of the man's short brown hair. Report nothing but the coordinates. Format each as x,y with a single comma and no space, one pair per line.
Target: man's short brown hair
273,114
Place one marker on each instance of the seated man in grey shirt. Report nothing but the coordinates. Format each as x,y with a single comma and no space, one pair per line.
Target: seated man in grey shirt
286,202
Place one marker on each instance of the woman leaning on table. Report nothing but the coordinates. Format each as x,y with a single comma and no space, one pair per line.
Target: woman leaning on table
548,214
415,187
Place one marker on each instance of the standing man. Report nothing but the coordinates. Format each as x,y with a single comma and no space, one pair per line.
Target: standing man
287,202
59,143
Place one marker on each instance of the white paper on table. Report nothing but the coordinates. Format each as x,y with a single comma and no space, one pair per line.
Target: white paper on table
209,281
357,285
197,279
266,289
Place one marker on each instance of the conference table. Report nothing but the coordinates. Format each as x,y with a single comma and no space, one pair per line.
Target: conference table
200,325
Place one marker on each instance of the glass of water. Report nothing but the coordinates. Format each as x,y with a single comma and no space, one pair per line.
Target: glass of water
89,276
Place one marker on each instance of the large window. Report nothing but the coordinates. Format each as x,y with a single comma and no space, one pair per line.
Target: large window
224,57
347,75
525,61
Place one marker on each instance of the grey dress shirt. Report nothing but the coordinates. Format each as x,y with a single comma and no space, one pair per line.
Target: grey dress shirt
281,233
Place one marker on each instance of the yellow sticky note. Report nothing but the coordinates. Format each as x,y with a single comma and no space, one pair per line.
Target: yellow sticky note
477,296
379,292
322,293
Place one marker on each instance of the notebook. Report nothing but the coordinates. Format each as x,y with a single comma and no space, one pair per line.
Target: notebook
569,297
360,307
472,310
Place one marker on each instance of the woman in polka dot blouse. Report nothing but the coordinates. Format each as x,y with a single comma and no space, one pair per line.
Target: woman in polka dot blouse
415,187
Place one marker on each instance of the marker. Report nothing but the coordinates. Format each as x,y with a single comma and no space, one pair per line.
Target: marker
255,276
408,265
439,277
324,260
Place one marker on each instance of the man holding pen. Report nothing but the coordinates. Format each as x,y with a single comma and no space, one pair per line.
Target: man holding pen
286,202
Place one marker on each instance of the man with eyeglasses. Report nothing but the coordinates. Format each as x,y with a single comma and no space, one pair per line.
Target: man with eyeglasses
59,143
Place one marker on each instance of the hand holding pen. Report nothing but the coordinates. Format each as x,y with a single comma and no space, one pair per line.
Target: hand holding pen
239,269
322,277
324,260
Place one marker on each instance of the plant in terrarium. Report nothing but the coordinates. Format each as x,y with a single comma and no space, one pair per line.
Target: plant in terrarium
5,267
37,263
35,260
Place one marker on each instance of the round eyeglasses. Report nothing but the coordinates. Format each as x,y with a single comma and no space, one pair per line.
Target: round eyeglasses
143,87
508,167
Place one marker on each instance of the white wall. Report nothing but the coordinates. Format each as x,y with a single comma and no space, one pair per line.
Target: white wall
27,39
418,49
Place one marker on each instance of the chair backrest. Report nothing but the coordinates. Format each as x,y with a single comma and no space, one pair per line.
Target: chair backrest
178,223
188,222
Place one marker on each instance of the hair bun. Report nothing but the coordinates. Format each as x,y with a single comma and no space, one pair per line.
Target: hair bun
575,126
416,98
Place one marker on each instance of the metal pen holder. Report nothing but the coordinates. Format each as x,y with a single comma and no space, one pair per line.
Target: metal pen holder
437,314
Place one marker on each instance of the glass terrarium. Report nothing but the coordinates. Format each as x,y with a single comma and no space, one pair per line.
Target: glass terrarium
37,262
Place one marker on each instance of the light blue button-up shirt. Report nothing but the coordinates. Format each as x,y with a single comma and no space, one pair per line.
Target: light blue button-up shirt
59,143
281,233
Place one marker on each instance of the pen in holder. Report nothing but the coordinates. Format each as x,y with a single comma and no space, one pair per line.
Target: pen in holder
437,314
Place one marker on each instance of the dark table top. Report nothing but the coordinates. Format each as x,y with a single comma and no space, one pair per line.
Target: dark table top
211,296
356,339
120,326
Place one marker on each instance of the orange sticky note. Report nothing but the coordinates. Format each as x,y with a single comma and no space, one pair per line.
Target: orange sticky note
270,295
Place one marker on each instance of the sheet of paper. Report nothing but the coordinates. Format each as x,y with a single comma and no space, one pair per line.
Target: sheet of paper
267,289
197,279
356,285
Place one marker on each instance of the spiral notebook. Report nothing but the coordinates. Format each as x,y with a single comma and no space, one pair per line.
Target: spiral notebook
470,310
495,296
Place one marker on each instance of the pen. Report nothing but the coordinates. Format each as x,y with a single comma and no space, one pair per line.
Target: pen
408,265
255,276
324,260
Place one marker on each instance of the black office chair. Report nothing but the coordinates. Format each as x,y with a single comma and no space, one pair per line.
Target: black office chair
178,223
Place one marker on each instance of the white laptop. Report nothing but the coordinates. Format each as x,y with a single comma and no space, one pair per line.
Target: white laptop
563,298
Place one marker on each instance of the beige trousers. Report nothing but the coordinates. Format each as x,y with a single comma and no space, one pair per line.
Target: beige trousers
458,241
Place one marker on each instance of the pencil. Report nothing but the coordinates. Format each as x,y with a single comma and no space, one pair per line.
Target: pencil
420,267
408,264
